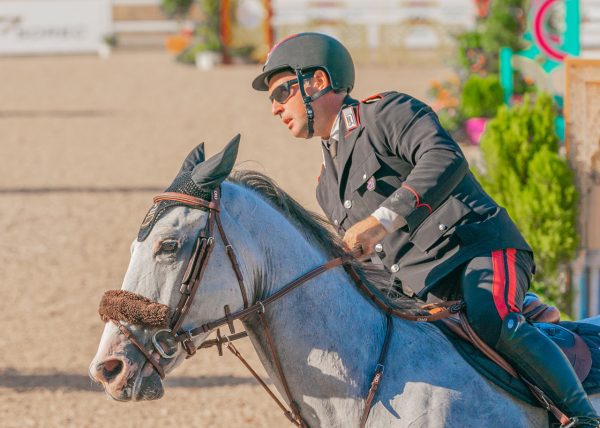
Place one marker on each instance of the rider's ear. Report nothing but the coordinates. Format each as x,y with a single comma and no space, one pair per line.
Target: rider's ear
195,157
209,174
321,80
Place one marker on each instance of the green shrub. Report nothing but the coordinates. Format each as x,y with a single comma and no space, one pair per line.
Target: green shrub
208,30
176,8
525,174
481,96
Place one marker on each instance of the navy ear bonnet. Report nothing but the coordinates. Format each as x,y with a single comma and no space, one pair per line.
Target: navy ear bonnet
195,178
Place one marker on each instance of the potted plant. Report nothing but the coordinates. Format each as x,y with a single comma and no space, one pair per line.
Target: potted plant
480,99
208,51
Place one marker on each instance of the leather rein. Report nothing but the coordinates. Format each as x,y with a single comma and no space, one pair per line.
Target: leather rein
192,277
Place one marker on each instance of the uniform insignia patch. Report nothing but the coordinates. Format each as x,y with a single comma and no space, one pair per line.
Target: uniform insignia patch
349,118
371,184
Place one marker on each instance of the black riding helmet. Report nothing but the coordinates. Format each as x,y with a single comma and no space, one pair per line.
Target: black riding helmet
303,53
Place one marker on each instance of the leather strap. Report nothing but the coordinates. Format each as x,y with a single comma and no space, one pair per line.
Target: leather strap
483,347
141,348
188,291
259,306
285,411
379,369
234,263
297,419
189,200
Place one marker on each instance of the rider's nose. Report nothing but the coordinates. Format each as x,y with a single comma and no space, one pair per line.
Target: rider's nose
107,371
276,108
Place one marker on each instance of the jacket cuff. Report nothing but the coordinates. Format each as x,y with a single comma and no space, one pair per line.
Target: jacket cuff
390,220
406,203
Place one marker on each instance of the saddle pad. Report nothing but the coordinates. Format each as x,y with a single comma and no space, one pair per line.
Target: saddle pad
588,332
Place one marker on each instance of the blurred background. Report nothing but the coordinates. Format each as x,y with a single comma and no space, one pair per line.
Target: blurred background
100,101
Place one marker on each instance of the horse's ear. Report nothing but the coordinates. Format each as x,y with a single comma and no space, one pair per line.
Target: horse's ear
209,174
195,157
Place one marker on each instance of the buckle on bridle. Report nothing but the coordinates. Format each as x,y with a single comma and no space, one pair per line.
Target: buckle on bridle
188,345
158,346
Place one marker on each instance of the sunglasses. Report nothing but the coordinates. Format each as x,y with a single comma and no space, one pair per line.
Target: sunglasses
282,93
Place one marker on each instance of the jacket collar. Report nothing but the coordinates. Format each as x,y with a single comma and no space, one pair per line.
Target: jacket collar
350,129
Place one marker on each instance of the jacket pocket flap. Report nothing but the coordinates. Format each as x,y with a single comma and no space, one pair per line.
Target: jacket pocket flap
362,173
439,223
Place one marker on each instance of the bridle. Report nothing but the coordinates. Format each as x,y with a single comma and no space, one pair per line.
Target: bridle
174,336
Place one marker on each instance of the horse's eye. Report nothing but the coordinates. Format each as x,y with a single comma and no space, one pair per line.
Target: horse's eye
168,246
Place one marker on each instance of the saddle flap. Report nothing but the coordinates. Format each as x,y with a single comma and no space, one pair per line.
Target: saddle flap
535,310
572,345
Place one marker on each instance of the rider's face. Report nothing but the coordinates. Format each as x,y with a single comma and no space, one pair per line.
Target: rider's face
290,110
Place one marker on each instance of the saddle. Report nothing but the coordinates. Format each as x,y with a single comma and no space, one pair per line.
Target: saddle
574,339
546,318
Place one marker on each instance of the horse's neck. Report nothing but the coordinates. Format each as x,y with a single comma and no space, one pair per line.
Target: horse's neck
325,332
328,338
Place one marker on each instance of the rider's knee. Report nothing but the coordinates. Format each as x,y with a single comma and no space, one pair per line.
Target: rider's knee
485,324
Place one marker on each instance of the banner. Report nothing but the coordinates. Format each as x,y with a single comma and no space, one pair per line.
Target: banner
53,26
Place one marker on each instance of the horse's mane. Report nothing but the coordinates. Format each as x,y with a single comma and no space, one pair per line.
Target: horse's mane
318,230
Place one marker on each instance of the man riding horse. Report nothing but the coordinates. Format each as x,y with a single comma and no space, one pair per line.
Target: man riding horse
395,184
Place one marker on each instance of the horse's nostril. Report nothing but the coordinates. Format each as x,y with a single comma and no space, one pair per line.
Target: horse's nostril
111,369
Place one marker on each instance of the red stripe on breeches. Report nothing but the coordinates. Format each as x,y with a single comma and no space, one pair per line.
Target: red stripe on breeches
499,283
504,299
512,278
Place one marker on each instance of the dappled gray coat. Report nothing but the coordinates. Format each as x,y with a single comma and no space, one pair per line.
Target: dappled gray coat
393,152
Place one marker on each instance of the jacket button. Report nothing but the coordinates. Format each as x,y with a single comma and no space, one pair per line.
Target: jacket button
348,204
378,248
442,227
335,222
364,176
394,268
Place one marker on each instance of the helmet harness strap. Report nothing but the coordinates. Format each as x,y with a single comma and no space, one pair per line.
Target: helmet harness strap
308,99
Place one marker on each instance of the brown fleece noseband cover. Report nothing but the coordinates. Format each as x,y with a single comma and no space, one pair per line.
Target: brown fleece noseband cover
126,306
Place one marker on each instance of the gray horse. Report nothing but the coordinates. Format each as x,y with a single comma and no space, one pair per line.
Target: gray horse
327,334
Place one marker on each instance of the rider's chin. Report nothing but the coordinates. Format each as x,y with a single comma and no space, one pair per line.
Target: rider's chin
148,386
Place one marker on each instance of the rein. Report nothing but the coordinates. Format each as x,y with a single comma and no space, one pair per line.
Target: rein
192,277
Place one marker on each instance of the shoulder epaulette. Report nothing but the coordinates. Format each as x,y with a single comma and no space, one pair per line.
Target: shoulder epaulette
372,99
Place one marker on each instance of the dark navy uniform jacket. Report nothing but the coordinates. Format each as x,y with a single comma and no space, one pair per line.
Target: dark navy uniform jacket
393,152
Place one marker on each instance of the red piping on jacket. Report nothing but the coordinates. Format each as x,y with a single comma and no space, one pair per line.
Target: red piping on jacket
418,204
372,97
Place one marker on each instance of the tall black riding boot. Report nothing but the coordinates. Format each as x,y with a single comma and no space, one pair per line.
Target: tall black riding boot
541,361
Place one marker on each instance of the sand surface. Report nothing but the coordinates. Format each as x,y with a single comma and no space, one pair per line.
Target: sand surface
84,144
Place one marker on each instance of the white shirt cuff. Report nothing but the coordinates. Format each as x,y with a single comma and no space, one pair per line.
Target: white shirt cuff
390,220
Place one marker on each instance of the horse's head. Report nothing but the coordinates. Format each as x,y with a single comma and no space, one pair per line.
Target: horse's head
172,284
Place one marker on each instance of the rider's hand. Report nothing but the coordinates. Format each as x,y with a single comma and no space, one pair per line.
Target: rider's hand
365,235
